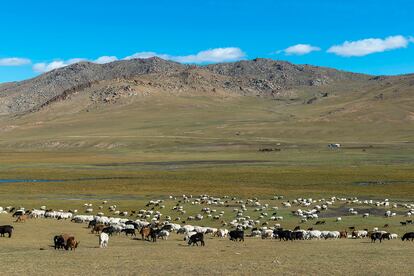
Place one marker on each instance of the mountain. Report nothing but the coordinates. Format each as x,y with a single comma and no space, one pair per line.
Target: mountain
258,76
150,103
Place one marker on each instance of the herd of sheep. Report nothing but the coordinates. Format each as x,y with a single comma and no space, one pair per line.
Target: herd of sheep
229,212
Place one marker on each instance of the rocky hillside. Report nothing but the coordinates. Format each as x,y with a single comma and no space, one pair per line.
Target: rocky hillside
262,77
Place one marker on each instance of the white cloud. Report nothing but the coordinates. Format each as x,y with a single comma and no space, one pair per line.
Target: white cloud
368,46
212,55
148,55
105,59
411,39
14,61
46,67
300,49
207,56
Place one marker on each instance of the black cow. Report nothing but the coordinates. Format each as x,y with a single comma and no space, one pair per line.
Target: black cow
285,235
236,235
297,235
129,231
408,236
59,242
6,229
109,230
376,236
194,239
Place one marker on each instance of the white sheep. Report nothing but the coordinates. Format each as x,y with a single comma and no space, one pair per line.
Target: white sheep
103,240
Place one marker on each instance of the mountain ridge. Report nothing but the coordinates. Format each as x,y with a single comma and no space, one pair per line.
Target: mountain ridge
258,76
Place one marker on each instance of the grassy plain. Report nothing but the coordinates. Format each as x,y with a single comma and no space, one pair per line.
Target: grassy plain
22,255
156,147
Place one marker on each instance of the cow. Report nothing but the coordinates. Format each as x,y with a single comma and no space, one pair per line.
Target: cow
72,244
343,234
376,236
103,240
129,231
109,230
198,237
236,235
282,234
98,228
6,229
59,242
408,236
297,235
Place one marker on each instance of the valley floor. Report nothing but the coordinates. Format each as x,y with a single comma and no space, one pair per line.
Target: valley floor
29,252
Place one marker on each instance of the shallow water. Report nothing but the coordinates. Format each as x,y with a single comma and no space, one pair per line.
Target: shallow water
27,180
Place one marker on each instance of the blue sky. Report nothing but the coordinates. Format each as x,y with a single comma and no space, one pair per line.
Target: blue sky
37,36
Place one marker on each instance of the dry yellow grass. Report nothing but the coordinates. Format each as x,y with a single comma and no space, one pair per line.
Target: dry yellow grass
21,255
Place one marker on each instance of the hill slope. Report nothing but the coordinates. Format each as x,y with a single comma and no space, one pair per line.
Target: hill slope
153,104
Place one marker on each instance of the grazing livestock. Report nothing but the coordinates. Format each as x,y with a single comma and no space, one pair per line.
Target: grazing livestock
386,236
6,229
17,213
98,228
393,236
282,234
147,233
103,240
129,231
236,235
163,234
314,234
267,234
59,242
298,235
194,239
359,234
109,230
376,236
72,244
408,236
221,233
